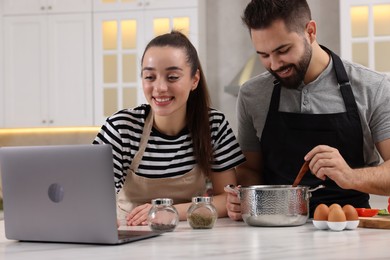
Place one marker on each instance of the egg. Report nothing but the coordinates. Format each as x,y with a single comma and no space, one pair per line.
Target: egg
320,217
350,212
334,205
321,212
351,216
336,215
337,220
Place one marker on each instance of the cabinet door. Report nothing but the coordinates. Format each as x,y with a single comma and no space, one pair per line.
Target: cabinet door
48,70
185,20
11,7
117,5
25,65
365,32
70,70
121,5
118,45
18,7
69,6
170,4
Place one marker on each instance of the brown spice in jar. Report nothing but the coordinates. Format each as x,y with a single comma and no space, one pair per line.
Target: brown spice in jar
162,227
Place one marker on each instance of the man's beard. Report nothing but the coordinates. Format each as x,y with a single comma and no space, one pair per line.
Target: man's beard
299,71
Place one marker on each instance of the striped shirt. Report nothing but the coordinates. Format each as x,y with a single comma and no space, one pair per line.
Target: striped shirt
164,156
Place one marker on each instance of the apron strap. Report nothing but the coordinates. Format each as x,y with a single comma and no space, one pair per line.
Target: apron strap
343,81
144,140
274,105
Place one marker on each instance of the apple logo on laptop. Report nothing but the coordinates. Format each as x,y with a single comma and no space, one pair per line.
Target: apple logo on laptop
56,192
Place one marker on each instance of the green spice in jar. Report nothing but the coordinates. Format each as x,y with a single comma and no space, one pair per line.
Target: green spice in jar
202,214
197,221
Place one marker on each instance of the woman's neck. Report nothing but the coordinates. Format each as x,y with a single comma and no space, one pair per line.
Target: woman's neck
169,125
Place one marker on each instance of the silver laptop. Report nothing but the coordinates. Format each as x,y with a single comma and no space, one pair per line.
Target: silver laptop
61,194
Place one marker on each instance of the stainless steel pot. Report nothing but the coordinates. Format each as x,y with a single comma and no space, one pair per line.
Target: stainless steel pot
274,205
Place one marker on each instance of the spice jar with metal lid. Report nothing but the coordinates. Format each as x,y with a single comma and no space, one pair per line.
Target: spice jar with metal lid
163,216
202,214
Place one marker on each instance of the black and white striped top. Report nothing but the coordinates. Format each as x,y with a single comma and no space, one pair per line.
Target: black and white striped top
165,156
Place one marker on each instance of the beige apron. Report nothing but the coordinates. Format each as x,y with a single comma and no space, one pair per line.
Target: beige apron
139,190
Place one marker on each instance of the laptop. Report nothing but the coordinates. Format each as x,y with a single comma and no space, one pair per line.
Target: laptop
62,193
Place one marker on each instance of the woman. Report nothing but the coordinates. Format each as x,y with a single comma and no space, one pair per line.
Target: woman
183,143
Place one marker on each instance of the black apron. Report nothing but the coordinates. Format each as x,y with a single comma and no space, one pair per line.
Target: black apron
287,137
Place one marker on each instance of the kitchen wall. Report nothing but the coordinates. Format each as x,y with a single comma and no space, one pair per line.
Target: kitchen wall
229,46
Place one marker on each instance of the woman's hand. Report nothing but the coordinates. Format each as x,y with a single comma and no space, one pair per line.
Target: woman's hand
233,205
139,215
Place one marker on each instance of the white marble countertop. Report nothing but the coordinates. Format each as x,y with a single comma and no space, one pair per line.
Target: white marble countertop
227,240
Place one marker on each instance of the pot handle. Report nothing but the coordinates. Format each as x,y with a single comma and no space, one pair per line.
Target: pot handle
309,191
231,189
316,188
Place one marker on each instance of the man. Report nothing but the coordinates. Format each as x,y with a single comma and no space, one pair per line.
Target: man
310,106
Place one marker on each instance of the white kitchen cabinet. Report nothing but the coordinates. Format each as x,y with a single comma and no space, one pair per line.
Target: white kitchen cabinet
365,32
48,70
75,62
120,39
19,7
131,5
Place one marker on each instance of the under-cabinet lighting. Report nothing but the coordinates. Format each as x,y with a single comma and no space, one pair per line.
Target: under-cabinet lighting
91,129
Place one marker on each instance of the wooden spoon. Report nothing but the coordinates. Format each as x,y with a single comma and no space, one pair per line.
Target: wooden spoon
302,171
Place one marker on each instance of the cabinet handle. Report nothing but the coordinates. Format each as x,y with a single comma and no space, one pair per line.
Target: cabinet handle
49,7
42,8
147,3
51,121
43,121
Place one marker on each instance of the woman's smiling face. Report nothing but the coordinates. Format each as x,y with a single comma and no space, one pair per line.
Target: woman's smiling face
167,80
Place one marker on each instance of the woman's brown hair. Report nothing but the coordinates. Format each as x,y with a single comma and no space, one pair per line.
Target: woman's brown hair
198,103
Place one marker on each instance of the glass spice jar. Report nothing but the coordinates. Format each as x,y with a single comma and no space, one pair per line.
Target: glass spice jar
163,216
202,214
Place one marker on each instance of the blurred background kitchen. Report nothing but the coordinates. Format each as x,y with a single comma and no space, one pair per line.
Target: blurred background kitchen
65,65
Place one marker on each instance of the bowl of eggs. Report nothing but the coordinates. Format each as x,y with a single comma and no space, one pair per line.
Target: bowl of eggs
335,217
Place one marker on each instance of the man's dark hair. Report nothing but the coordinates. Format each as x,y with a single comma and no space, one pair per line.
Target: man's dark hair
260,14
